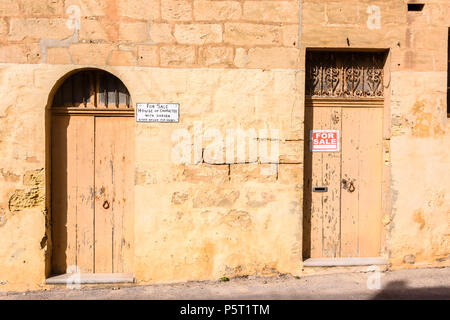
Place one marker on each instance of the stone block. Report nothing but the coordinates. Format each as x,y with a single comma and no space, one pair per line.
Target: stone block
216,56
177,55
90,8
3,29
176,10
253,172
9,8
342,12
205,10
92,29
139,9
148,56
313,12
249,34
58,56
198,33
206,173
19,53
161,33
273,58
90,53
290,35
291,152
271,11
43,7
133,31
21,29
122,58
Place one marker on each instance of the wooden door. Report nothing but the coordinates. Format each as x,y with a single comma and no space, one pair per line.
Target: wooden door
92,175
92,193
344,221
344,92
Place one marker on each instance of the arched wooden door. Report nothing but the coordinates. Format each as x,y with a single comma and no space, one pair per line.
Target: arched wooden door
92,175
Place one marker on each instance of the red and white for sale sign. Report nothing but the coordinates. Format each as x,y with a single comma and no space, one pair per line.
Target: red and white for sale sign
324,140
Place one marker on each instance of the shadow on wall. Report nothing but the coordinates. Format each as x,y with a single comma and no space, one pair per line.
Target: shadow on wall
398,290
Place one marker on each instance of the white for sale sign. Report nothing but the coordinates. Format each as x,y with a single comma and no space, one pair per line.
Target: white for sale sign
324,140
157,112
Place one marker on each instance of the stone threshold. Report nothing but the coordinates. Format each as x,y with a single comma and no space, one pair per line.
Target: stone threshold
91,278
343,262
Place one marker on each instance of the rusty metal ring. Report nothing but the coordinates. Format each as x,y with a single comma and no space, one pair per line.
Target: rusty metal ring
351,187
106,204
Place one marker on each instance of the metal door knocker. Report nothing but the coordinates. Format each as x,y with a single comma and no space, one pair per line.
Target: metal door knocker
106,204
348,185
351,187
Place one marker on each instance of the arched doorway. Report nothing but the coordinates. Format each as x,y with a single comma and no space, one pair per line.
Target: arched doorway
92,175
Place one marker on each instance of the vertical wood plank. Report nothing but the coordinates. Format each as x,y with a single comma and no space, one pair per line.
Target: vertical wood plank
319,120
103,195
59,193
370,178
85,192
123,170
331,178
72,191
350,172
114,179
72,182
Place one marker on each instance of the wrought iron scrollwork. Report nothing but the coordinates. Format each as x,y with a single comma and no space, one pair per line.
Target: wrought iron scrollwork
344,74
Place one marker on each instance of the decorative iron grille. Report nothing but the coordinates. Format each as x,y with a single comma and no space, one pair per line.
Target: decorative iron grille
344,74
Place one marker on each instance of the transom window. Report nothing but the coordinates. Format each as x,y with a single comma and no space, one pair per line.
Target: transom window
93,89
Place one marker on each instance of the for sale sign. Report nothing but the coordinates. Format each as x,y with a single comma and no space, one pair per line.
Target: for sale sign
324,140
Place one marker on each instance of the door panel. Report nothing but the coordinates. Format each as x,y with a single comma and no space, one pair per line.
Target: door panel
114,181
345,221
331,171
72,198
319,121
325,207
370,176
350,138
92,162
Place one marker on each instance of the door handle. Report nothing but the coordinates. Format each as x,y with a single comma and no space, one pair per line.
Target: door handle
106,204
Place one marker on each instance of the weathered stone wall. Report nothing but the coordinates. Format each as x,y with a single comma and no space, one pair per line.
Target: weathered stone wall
151,33
230,64
210,219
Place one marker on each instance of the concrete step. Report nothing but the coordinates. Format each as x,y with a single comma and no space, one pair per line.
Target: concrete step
91,278
342,262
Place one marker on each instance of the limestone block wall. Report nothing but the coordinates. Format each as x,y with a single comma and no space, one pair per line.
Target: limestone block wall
151,33
200,220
